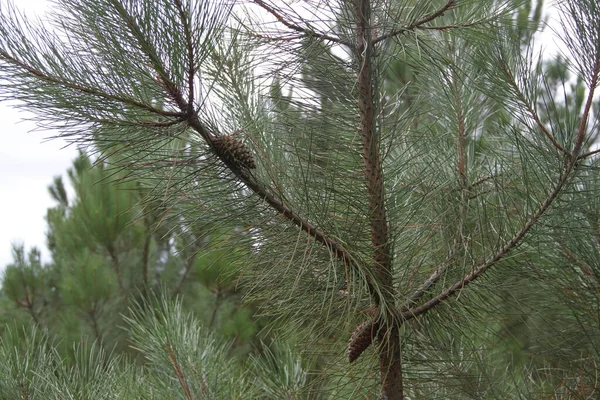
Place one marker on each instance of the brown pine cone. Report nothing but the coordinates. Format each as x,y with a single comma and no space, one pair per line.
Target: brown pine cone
234,151
361,339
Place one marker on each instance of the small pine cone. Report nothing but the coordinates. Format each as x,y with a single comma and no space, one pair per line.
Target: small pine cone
361,339
234,151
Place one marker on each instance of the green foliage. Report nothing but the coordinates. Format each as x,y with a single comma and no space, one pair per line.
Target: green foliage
418,166
109,246
182,360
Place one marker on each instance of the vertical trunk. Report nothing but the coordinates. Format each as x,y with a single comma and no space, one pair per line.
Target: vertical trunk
390,362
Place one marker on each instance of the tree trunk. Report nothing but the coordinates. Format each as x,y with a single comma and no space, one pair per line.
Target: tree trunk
390,364
390,361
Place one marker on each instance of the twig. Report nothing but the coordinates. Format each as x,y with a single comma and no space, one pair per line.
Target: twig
588,105
446,27
189,262
433,278
483,180
94,322
179,373
218,297
190,53
417,24
116,266
297,28
83,89
588,154
529,107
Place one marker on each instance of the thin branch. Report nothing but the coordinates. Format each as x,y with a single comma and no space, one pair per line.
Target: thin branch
155,62
151,124
460,144
429,282
94,322
585,268
297,28
117,268
588,106
483,180
464,190
447,27
83,89
477,271
532,112
179,373
145,260
190,52
405,314
588,154
213,317
416,25
189,263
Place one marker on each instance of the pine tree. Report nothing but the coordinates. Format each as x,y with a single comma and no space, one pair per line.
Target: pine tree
108,249
417,213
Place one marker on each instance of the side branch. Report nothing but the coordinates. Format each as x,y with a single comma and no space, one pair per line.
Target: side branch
581,131
179,372
332,245
416,25
84,89
529,107
190,54
409,313
192,119
297,28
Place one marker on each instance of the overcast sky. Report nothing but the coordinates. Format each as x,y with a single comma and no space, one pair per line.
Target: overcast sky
28,163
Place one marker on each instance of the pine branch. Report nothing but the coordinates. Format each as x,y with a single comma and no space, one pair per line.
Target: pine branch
84,89
245,177
190,54
116,264
155,62
417,24
581,131
297,28
429,282
189,263
179,372
407,314
267,195
530,109
588,154
571,166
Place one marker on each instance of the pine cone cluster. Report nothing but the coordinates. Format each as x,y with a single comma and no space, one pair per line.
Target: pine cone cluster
361,339
234,151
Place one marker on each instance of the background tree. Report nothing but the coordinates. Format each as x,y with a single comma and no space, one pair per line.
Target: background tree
109,249
366,213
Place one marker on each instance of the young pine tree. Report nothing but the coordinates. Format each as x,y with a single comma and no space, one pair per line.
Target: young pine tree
395,229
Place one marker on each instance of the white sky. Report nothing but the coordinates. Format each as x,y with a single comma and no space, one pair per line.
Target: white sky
28,164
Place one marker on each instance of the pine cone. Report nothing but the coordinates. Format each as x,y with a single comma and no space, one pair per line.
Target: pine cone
234,151
361,339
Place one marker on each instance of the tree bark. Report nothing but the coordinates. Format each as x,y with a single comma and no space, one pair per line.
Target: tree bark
390,360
